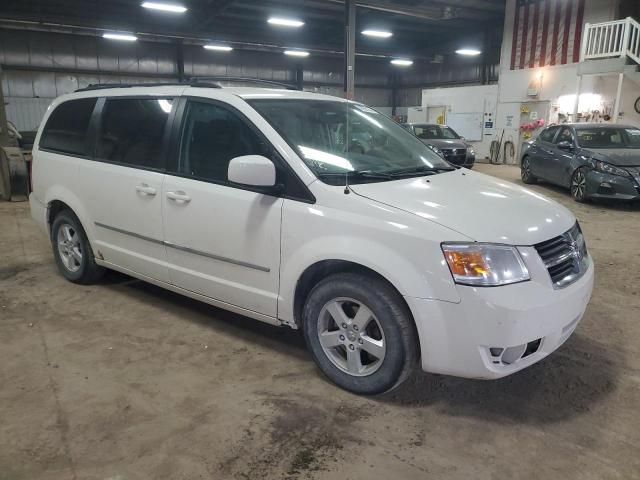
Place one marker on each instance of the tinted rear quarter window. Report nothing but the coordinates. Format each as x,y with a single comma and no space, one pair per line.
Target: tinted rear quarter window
132,131
67,126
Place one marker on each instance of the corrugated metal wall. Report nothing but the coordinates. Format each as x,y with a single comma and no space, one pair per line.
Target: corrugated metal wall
39,66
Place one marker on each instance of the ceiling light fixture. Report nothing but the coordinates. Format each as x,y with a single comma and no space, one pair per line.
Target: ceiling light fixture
296,53
165,7
377,33
120,36
402,62
468,51
219,48
285,22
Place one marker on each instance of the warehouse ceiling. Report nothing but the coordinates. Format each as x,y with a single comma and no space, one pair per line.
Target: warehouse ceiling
421,28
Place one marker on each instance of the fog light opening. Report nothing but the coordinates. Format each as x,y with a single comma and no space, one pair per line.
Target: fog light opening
495,351
532,347
513,354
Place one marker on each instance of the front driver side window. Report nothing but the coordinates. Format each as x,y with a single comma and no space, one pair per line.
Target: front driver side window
548,134
566,135
211,137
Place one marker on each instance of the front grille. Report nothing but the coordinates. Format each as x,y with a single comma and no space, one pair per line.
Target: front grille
455,155
564,256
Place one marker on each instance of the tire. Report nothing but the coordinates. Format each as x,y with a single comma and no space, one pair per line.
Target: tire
377,350
72,251
578,186
525,172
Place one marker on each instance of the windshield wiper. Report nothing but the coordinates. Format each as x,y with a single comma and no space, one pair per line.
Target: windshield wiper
359,174
420,169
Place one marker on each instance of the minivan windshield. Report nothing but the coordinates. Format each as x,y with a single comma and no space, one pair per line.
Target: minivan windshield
339,139
608,137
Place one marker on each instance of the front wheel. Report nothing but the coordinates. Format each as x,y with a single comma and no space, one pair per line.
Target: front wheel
579,186
525,172
360,333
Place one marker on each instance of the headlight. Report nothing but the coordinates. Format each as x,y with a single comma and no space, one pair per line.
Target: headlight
484,264
608,168
436,150
471,151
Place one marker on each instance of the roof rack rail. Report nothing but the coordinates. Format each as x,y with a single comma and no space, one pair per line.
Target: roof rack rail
102,86
223,78
205,82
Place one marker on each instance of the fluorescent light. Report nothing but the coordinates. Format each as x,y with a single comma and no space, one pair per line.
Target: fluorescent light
468,51
402,62
120,36
165,7
296,53
377,33
285,22
219,48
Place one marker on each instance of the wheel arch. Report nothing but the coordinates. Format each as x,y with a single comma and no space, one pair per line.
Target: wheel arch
320,270
59,199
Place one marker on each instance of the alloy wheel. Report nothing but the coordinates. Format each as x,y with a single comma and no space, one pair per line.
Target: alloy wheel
69,247
578,185
525,170
351,336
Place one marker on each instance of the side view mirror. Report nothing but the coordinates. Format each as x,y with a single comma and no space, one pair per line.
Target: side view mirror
252,170
565,145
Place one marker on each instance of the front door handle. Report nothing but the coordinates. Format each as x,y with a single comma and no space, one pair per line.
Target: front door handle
145,189
179,196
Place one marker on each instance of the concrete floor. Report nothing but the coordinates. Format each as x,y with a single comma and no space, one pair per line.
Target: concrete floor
126,381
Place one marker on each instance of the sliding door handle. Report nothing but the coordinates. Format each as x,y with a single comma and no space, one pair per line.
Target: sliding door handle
178,196
145,189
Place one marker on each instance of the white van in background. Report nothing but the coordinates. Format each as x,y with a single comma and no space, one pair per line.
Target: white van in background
257,201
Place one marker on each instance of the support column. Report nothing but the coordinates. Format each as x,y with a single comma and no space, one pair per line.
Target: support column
349,48
299,76
576,104
180,60
4,131
395,85
616,107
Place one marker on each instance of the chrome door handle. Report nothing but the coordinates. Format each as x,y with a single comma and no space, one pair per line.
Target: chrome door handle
179,196
145,189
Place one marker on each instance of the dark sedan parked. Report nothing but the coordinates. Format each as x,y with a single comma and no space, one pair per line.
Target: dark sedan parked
445,142
592,160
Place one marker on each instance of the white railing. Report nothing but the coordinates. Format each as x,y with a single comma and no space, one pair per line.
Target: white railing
619,38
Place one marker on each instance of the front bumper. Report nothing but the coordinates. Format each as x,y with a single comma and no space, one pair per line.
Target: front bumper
607,186
527,321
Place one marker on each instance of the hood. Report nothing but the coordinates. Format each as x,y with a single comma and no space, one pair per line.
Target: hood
481,207
622,157
445,143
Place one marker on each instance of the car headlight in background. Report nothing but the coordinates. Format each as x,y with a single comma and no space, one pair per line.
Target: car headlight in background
436,150
605,167
484,264
471,152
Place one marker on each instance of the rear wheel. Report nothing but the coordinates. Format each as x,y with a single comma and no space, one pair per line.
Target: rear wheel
525,172
579,185
72,250
360,333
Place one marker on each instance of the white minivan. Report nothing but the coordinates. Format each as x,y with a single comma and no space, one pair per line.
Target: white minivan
259,201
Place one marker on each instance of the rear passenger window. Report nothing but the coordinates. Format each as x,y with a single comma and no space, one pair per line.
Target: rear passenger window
66,128
132,130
